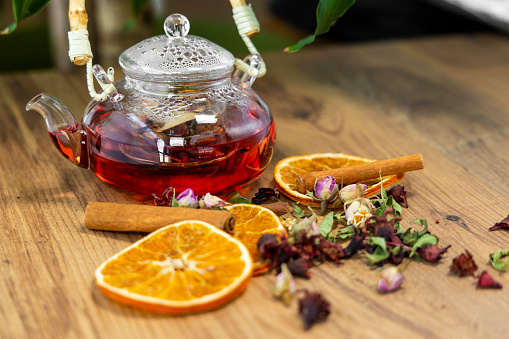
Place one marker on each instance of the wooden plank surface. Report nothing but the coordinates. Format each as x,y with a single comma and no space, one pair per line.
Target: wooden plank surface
446,98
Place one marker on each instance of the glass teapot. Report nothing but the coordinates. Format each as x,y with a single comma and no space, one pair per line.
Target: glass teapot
179,119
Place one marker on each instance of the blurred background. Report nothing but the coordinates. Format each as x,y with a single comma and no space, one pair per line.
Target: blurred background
41,41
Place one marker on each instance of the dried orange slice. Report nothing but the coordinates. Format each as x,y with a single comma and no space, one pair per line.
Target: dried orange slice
251,222
185,267
286,172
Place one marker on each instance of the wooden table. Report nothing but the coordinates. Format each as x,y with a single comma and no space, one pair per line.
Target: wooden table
447,98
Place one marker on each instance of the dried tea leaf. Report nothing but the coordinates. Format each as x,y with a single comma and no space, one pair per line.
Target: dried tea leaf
499,261
326,225
346,232
297,212
380,253
236,198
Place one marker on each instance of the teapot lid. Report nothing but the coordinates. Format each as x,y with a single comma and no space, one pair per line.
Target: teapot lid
176,56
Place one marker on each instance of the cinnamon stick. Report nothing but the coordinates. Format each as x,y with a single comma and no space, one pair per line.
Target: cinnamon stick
279,208
78,19
359,173
143,218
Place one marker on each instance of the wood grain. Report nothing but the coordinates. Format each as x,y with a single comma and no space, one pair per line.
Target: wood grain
443,97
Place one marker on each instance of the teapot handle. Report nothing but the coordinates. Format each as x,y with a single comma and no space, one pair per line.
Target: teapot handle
248,26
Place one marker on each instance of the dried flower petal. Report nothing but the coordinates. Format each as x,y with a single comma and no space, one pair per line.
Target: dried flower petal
399,195
485,280
187,198
356,244
463,264
503,225
285,285
332,251
313,307
432,253
269,247
300,267
166,198
391,279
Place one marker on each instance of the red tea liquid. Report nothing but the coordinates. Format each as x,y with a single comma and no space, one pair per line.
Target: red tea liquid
127,155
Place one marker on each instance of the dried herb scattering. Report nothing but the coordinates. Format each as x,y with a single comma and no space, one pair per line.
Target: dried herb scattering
166,199
264,194
381,227
313,307
485,280
463,264
503,225
299,255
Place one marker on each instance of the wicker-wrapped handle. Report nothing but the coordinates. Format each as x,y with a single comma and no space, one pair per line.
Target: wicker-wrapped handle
78,19
246,23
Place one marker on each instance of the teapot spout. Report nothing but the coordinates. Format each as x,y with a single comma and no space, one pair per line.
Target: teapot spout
68,135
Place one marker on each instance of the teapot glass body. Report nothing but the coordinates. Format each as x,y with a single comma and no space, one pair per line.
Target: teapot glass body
212,137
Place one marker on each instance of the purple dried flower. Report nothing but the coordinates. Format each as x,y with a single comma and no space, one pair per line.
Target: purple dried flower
391,279
325,187
187,198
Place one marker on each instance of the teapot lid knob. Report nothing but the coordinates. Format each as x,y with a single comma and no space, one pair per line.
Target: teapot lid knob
176,26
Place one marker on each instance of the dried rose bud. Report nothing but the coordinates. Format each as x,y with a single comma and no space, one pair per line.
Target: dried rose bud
209,201
391,279
349,193
325,188
285,285
187,198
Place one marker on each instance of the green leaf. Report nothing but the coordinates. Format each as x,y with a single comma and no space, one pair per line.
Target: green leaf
24,9
497,260
297,212
236,198
380,252
346,232
410,236
383,201
327,12
424,240
397,207
326,224
174,202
